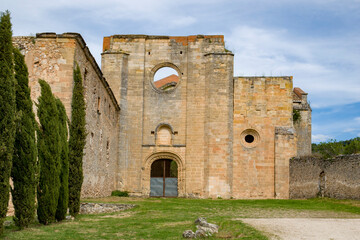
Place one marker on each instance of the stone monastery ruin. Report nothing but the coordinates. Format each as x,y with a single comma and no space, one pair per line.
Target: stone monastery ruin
199,132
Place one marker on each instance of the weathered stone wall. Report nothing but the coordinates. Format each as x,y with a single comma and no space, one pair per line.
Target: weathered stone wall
335,178
129,64
230,137
100,164
303,124
218,125
212,157
303,133
261,106
11,210
52,57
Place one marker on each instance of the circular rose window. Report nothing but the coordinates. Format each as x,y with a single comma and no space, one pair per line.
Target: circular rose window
166,79
249,138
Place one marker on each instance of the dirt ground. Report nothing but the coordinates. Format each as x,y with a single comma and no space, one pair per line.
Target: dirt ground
307,228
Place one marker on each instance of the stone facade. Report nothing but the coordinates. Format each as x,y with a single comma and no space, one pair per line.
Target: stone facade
53,57
302,123
208,114
338,177
229,136
262,108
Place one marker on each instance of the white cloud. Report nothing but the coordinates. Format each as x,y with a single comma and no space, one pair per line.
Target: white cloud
85,17
357,119
320,138
328,69
168,14
349,130
182,21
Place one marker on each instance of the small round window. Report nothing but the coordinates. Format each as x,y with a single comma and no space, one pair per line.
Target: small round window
166,78
249,138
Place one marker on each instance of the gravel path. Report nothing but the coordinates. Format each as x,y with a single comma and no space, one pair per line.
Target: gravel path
307,228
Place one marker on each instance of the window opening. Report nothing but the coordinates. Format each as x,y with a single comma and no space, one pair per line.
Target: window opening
166,78
98,105
249,138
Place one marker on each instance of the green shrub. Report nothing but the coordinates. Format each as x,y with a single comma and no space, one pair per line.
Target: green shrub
118,193
333,148
296,116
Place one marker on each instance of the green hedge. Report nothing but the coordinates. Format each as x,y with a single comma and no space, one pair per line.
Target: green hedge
118,193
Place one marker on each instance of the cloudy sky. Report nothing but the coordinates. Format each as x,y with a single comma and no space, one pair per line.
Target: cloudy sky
316,41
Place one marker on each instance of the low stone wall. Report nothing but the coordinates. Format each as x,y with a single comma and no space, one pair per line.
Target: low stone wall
335,178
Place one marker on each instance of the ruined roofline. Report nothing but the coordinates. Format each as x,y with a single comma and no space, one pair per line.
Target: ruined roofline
184,40
286,77
166,80
299,92
300,98
199,36
89,57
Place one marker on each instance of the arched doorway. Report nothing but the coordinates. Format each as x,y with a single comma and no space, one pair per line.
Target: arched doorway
164,178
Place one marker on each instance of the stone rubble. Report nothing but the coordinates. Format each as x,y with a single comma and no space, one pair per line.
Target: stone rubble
188,234
94,208
204,229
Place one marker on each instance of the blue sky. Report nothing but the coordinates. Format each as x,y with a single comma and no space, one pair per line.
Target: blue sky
317,41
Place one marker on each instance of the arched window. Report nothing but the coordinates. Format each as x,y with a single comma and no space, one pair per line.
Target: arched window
166,78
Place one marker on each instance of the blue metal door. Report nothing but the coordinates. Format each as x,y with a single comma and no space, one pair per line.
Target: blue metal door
163,181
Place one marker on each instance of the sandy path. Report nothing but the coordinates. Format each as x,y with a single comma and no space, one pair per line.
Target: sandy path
307,228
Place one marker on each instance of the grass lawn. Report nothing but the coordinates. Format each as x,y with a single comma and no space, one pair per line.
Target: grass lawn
157,218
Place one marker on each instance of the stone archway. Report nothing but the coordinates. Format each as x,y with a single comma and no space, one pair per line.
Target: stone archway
158,157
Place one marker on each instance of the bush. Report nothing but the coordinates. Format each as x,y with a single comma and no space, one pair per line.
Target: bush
118,193
333,148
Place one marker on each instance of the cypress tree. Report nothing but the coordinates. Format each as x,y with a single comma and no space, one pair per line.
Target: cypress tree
7,112
25,151
64,162
49,155
76,143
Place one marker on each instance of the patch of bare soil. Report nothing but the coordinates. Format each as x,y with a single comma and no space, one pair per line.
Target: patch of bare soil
173,224
70,223
89,230
120,215
355,203
307,228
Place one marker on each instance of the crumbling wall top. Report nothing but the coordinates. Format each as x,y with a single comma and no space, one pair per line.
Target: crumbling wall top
184,40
